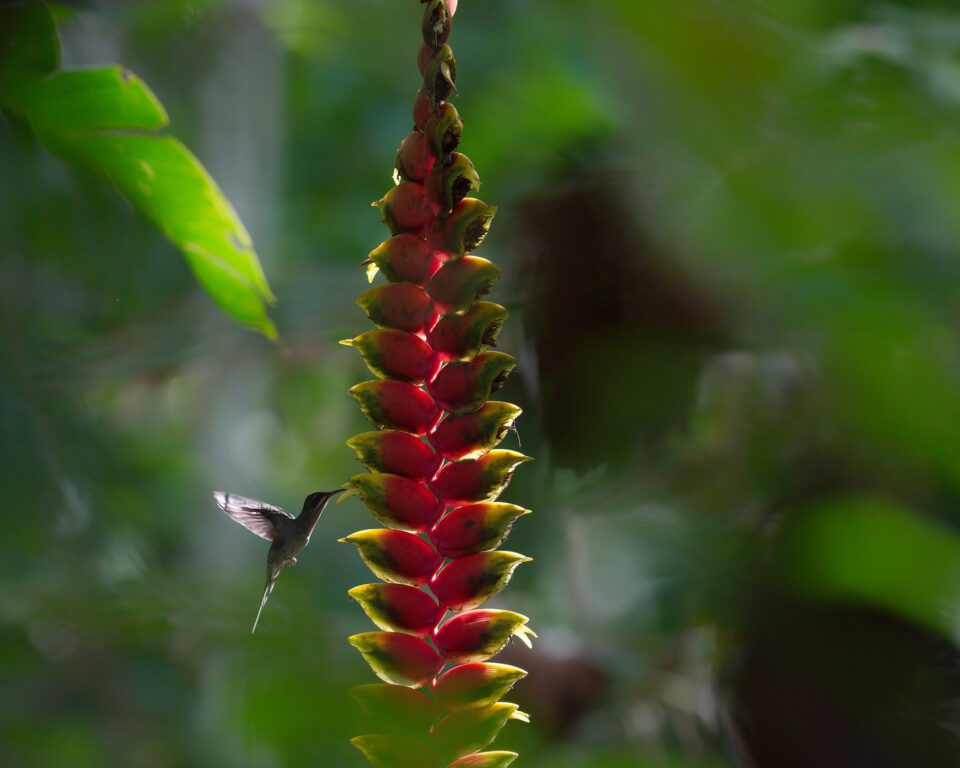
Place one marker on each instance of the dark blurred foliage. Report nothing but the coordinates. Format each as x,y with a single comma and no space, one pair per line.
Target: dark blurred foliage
730,233
612,319
843,686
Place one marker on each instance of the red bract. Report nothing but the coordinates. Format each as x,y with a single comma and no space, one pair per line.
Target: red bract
465,228
464,387
406,208
396,355
472,580
396,405
435,374
442,128
457,284
398,608
450,181
396,556
403,306
397,658
474,528
414,160
460,337
480,635
480,479
397,501
473,434
395,452
405,258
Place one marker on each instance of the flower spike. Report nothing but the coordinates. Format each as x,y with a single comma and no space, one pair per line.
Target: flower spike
434,472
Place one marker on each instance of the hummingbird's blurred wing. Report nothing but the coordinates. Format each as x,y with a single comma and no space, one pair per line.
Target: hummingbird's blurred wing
263,519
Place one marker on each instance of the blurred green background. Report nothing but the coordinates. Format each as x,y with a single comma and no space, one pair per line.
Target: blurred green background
729,232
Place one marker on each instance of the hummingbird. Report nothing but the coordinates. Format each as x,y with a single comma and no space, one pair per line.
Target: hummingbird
287,534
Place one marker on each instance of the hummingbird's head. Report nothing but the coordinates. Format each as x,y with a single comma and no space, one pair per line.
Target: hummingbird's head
318,499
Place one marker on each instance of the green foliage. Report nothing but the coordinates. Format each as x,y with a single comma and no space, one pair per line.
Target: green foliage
107,121
865,551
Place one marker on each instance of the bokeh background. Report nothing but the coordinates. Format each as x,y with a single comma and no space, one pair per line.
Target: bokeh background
729,231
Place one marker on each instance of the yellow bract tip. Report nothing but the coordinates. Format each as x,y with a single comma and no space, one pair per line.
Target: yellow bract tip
351,491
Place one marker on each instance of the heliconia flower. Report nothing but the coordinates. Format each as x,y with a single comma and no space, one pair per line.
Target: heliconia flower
395,556
401,306
396,355
396,405
398,658
483,479
395,452
485,760
480,635
404,258
390,751
460,337
470,730
471,435
474,528
396,708
474,685
457,284
463,387
435,470
468,582
398,608
397,501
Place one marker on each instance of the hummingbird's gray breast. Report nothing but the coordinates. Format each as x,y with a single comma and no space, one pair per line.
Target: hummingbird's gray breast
288,543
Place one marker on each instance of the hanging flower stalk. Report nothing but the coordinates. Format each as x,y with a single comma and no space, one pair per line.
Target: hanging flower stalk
435,473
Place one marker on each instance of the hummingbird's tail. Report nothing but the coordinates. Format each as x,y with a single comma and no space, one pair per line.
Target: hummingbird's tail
271,580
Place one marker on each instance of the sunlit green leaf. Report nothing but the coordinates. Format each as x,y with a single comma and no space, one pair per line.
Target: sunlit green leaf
106,120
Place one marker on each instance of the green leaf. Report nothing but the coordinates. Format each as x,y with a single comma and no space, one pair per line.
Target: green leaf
107,120
869,551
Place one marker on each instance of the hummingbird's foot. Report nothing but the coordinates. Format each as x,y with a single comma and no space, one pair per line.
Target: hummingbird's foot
293,561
